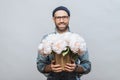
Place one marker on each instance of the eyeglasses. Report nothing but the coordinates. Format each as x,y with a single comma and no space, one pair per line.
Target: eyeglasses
61,17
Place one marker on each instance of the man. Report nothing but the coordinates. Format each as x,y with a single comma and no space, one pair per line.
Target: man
73,70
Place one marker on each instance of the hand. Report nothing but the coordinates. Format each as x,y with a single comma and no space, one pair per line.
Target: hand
56,67
70,67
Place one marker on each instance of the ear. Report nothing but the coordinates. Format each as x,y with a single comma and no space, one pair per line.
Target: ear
53,19
69,17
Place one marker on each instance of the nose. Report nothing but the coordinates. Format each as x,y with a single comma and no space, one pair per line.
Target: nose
61,20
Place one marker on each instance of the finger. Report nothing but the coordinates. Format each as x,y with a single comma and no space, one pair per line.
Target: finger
57,69
56,66
72,61
70,65
53,61
68,70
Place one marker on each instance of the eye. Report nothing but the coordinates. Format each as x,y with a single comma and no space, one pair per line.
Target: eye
61,17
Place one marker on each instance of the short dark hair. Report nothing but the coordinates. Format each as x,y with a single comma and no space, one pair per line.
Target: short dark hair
61,8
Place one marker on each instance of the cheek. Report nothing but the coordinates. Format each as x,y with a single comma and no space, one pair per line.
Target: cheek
55,22
67,21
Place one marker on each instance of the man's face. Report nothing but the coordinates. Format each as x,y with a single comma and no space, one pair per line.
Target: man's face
61,20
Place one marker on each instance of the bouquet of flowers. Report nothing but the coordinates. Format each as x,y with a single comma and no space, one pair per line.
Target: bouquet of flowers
65,46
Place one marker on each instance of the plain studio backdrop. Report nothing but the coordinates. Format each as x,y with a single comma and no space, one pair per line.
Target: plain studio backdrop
24,22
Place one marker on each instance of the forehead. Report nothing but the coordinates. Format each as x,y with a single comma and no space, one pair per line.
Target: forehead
61,13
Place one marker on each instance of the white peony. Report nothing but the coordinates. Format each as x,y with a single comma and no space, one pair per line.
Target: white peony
59,46
76,42
59,42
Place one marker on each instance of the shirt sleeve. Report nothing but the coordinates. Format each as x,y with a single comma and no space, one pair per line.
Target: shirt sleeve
42,61
85,63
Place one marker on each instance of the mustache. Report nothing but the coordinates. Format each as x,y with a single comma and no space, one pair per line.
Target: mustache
61,23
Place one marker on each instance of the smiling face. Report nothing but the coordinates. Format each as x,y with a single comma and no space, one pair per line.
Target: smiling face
61,20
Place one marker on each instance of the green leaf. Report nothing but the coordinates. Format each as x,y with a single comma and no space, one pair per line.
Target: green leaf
65,52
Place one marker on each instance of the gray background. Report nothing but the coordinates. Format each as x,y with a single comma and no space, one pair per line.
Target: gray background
24,22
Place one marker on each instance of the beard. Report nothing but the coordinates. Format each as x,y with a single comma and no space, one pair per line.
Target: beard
62,29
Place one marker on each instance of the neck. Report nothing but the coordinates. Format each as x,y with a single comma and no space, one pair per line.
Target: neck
61,32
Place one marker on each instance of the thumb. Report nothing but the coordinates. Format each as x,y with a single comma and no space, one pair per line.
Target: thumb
72,61
53,62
